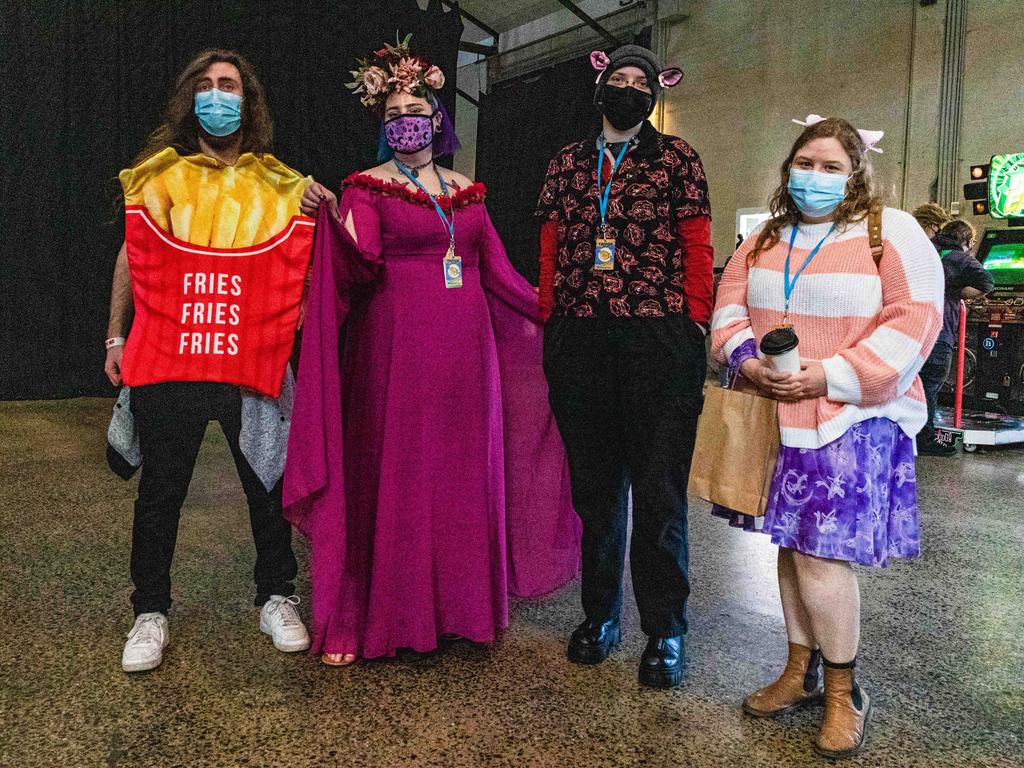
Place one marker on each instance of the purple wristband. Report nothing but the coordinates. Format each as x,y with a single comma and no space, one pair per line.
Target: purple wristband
745,351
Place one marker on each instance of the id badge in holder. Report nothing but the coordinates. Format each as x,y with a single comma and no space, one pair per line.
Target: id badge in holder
452,269
604,253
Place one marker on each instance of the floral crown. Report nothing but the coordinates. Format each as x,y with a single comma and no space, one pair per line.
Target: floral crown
393,69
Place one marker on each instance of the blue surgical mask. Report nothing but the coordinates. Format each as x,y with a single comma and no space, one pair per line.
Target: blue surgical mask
815,193
219,112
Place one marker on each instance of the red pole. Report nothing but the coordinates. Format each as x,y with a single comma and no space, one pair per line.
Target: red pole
958,407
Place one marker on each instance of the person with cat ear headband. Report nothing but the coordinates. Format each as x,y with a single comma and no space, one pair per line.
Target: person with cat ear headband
626,285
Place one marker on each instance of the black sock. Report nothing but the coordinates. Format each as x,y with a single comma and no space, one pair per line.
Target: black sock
844,665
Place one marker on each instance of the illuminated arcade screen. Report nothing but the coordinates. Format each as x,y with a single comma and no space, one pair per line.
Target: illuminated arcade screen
1002,253
1006,186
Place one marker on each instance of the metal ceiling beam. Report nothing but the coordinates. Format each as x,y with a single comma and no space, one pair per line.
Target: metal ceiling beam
590,22
454,5
482,50
467,97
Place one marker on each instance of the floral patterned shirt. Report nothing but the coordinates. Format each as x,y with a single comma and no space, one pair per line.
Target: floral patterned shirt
660,182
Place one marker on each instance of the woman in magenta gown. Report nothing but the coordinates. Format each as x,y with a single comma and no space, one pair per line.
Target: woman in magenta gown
423,461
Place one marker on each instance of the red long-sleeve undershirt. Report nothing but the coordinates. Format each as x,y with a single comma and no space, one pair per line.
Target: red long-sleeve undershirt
698,266
548,256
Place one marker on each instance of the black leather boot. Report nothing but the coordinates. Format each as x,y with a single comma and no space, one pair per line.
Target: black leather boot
591,642
663,662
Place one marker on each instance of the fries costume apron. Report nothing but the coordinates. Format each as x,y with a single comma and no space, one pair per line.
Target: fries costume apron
218,257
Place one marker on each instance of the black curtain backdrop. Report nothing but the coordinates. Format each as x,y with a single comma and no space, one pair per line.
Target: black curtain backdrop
82,83
523,122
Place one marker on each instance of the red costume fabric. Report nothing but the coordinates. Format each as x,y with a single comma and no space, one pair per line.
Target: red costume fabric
213,314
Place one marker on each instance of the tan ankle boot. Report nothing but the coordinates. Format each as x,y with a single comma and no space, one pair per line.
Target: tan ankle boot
844,729
796,686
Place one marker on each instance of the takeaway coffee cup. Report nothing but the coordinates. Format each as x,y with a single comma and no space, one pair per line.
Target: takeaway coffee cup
780,347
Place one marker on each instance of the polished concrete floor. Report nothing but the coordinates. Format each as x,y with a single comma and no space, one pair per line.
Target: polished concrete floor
942,651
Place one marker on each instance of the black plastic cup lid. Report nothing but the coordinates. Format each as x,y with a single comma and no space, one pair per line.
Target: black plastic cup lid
778,342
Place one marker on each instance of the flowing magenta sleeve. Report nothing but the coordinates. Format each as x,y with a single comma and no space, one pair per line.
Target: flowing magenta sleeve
542,531
500,279
339,263
364,255
314,490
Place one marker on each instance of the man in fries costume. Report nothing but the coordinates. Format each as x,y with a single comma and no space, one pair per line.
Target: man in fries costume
217,243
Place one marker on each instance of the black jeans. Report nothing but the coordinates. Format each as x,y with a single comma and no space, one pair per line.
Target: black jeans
933,374
170,438
626,393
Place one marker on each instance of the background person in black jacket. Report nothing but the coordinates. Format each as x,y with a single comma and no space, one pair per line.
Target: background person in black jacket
965,278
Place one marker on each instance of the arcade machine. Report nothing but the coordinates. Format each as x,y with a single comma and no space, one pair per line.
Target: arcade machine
987,383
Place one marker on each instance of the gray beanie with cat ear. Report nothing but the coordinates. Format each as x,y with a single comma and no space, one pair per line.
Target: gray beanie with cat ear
634,56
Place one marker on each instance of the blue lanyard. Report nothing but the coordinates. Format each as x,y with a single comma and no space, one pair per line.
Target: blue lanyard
605,192
790,283
449,224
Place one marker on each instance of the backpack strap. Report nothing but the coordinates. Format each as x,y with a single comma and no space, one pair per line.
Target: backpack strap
875,233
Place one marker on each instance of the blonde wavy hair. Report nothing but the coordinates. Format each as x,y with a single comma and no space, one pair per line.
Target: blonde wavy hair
860,189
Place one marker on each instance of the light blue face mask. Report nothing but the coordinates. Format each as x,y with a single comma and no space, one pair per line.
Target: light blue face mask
815,193
219,112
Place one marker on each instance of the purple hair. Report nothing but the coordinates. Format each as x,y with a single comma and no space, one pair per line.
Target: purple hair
446,143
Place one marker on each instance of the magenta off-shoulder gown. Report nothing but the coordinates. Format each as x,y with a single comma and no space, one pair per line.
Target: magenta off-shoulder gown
424,465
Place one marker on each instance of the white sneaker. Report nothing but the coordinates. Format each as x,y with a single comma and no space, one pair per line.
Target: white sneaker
145,647
280,620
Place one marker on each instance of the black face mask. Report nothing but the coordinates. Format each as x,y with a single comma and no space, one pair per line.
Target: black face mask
625,107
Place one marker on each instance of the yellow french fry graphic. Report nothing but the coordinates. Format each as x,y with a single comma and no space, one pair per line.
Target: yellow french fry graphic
228,178
279,216
246,191
176,184
273,179
181,220
197,176
266,229
202,221
223,206
250,223
276,217
225,223
157,202
294,197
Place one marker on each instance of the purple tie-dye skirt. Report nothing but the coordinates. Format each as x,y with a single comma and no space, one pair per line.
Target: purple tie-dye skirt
854,499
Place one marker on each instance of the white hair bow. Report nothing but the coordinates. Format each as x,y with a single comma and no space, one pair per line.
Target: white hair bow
870,138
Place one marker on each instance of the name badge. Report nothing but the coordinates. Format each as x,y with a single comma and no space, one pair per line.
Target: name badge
604,254
452,271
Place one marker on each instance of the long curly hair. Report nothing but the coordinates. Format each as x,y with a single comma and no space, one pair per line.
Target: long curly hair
860,189
180,127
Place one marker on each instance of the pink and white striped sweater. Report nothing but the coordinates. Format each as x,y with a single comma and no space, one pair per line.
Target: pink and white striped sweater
872,329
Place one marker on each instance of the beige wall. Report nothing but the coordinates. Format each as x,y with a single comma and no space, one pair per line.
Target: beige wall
753,65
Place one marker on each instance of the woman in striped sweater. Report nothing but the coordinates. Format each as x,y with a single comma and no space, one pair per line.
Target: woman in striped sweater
844,485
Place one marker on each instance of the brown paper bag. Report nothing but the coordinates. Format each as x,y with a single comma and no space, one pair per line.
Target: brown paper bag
736,450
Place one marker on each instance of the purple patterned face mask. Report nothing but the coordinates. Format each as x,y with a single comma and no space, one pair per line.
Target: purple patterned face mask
409,134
